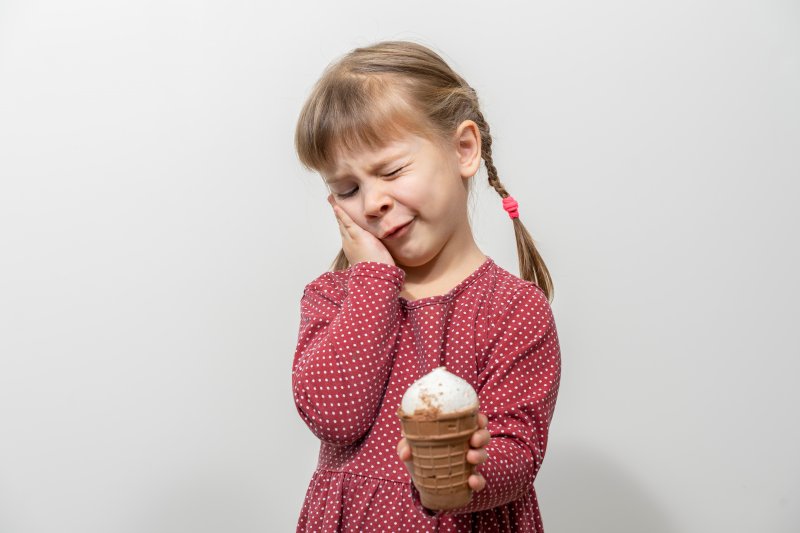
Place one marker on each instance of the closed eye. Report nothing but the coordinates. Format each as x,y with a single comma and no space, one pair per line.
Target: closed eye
347,194
351,193
395,172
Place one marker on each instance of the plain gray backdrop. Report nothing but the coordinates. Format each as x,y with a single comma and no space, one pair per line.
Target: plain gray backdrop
157,231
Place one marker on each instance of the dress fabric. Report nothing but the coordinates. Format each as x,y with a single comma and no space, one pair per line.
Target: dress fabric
361,345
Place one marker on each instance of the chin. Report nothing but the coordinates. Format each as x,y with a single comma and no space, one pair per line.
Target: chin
412,261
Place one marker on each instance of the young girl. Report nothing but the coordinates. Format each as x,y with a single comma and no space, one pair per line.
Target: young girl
397,136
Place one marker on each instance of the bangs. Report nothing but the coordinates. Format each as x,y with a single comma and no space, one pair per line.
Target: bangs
353,114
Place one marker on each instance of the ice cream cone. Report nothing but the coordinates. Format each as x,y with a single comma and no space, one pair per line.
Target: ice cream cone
439,445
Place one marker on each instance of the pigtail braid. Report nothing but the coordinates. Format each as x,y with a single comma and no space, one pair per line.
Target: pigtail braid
531,264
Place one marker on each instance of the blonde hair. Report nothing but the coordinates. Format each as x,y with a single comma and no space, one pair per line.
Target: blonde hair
377,93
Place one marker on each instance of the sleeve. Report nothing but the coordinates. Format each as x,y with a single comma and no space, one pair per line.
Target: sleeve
517,392
344,350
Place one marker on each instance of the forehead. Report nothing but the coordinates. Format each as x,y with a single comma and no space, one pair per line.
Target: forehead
369,160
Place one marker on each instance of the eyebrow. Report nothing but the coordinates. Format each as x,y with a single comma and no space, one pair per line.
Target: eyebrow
377,166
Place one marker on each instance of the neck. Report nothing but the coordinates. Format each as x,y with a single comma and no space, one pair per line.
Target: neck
452,264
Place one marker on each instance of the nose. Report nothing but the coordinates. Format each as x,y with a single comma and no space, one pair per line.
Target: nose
377,200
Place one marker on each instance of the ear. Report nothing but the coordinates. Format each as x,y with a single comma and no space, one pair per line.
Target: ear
468,148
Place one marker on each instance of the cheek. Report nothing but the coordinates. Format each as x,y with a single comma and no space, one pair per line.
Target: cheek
415,194
433,202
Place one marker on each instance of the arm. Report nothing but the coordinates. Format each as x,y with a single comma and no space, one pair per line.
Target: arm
517,391
344,350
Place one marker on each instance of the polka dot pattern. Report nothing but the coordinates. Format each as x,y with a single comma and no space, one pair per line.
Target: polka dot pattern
361,345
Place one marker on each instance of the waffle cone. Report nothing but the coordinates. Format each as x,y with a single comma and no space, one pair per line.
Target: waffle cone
439,446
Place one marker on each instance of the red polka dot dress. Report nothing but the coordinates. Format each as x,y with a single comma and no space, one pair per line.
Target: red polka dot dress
361,345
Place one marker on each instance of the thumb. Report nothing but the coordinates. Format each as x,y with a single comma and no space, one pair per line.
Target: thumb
404,453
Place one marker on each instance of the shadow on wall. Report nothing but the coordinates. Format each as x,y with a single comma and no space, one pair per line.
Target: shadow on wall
586,491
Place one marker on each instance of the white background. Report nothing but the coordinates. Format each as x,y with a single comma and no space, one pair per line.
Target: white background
157,231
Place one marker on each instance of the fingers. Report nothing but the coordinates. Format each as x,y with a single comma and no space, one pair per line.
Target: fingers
477,457
342,216
403,450
476,482
480,438
404,453
346,224
335,211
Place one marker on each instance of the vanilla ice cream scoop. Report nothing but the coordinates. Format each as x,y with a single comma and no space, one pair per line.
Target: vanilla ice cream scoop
439,392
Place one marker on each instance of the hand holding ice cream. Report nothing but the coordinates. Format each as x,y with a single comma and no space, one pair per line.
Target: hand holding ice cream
476,455
442,426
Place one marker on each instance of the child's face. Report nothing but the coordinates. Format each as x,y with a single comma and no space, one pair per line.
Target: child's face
412,178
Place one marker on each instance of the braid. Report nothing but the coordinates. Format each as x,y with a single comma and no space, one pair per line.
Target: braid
486,153
531,264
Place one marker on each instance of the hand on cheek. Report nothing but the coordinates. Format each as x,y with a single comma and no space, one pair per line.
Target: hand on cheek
359,245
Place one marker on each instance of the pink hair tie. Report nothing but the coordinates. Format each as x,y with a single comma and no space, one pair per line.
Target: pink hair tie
510,205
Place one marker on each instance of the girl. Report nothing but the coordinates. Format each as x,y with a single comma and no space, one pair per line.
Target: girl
397,136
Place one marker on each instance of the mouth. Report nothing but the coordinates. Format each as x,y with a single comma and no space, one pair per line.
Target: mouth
399,231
